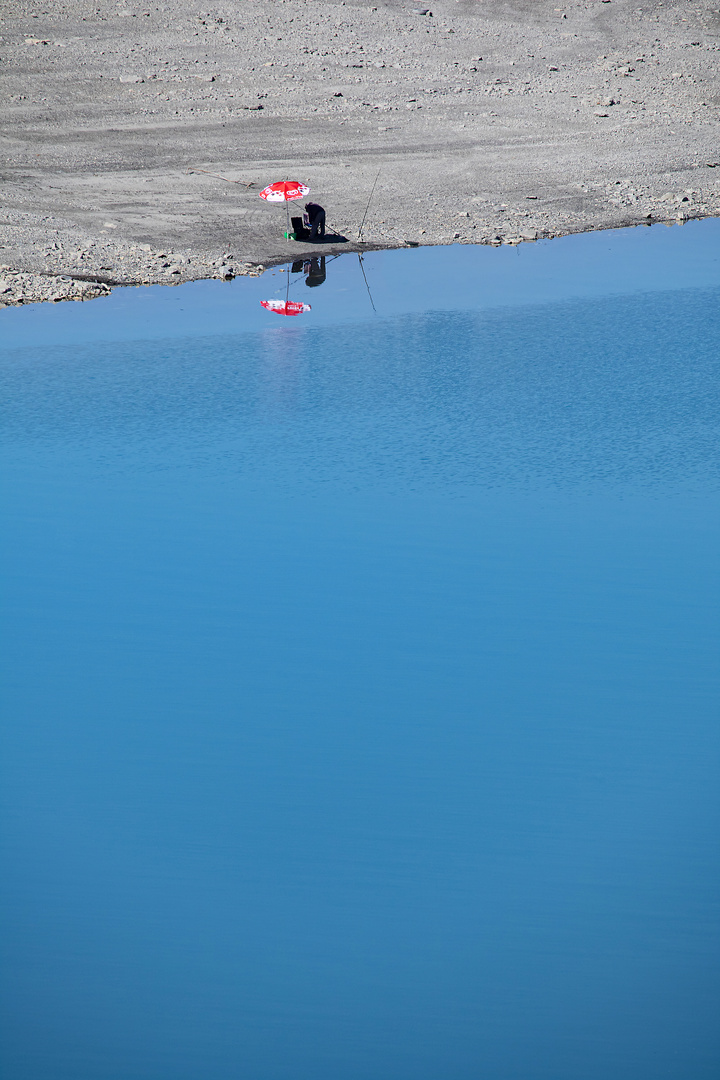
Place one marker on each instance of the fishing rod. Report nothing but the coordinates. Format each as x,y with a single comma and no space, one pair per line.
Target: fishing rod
245,183
362,223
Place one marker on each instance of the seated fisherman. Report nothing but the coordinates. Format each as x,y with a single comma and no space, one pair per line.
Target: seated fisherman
316,219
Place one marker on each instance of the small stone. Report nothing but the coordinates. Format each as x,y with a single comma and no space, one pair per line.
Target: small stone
131,79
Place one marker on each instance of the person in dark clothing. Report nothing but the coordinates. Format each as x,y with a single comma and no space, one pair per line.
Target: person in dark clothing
315,271
316,217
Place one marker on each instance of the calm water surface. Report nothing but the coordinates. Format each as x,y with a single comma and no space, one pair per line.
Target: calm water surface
360,672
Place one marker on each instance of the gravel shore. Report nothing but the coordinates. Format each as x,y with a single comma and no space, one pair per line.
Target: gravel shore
136,137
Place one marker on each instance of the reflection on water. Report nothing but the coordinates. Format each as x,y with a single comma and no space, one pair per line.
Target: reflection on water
314,269
360,681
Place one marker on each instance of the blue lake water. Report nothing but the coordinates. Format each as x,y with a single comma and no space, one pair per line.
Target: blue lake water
360,671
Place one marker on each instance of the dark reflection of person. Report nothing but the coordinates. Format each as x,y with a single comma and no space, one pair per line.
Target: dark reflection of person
315,270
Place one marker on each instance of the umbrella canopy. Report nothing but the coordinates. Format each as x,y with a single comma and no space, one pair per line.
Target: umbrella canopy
285,191
285,307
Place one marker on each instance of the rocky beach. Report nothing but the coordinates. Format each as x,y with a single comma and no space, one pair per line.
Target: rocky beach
136,137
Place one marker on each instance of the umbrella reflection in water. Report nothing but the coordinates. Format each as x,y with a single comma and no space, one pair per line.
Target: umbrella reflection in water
286,306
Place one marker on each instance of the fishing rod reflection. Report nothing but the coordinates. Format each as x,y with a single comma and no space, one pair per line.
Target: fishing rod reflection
315,270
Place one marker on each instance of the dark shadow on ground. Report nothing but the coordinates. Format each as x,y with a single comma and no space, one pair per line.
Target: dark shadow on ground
328,238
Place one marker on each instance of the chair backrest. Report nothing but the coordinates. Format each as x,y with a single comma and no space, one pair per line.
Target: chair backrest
299,228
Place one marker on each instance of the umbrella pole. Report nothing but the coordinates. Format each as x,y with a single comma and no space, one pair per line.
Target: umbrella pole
287,212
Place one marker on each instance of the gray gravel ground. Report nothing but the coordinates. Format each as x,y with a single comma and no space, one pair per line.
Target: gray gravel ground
487,122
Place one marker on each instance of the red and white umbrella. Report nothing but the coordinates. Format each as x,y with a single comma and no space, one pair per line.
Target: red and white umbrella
285,307
285,191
